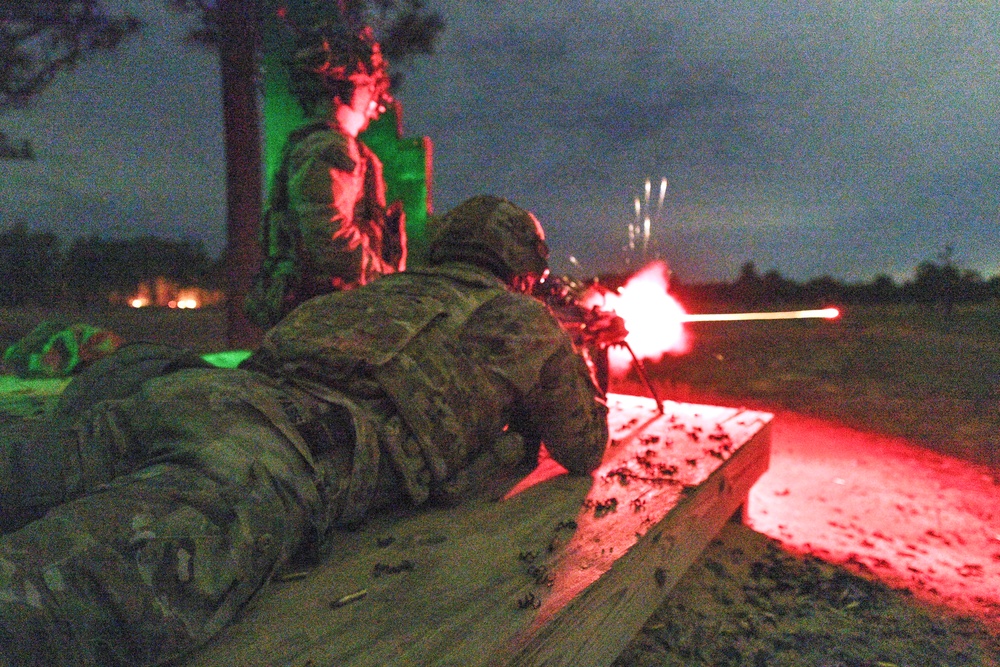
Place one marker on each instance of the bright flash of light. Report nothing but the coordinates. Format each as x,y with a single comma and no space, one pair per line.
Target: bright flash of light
663,193
653,318
139,302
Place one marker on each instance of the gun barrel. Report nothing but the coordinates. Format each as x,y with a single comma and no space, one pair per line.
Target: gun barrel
825,313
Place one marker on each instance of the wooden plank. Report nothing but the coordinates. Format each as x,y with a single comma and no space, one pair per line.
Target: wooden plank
719,454
564,572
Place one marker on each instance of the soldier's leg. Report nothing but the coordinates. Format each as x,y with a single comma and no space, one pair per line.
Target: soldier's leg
156,562
15,437
45,462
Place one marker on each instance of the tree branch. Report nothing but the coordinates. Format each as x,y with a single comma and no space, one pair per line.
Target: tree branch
38,39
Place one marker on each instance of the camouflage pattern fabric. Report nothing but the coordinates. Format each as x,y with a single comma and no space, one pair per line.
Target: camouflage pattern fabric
185,498
491,232
180,501
459,358
327,226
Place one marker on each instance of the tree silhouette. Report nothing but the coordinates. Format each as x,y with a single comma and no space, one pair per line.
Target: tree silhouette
26,263
404,28
748,288
40,38
939,282
93,267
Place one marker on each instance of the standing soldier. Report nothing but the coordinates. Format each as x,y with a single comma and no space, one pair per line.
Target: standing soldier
170,507
326,225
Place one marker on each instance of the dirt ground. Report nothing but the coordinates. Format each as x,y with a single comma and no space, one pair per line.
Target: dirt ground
874,539
857,550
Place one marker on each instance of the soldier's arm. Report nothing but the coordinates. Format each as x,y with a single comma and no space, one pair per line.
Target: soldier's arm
322,194
387,222
394,239
567,412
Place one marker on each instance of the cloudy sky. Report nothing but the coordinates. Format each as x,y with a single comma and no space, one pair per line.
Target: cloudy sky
846,138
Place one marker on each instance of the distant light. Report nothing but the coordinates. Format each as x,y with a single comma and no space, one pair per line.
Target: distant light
187,303
139,302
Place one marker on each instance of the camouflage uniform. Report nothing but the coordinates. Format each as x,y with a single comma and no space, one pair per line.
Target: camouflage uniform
184,498
327,226
440,360
339,200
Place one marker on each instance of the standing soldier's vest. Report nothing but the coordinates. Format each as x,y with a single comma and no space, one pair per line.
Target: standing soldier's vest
280,277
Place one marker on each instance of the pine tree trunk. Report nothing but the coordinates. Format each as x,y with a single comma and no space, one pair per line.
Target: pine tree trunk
239,26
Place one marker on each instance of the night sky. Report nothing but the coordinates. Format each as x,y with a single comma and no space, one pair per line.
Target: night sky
813,137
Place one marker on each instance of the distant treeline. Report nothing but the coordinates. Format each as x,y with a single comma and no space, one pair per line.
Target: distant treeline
938,283
38,269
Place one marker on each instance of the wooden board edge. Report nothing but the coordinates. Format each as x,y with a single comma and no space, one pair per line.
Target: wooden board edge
593,629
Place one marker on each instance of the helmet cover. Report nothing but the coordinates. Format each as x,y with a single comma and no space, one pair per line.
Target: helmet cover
491,232
329,55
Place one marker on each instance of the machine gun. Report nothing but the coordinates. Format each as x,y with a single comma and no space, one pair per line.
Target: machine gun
582,310
592,328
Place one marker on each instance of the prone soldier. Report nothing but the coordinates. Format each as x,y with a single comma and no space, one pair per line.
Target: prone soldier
178,501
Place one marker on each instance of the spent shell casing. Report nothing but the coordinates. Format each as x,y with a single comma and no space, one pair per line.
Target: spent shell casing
349,598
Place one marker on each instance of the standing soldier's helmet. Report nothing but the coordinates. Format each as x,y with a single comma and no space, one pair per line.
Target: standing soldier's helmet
329,61
496,235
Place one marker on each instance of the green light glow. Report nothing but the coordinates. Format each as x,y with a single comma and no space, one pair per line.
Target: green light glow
406,161
227,359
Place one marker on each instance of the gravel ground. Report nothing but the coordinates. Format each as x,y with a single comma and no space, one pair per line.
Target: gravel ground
805,581
748,601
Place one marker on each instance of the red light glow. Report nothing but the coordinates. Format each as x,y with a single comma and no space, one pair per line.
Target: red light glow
880,506
885,508
653,318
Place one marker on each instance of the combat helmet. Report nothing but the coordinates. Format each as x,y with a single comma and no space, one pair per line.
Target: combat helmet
493,233
329,59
